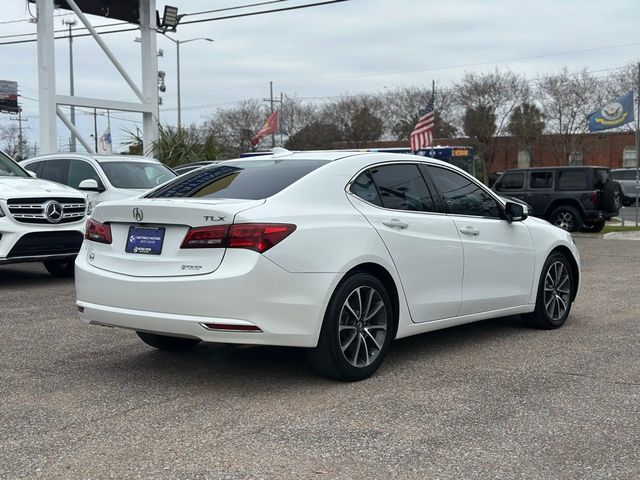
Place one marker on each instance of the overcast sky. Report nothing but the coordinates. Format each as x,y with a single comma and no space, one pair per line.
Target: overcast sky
352,47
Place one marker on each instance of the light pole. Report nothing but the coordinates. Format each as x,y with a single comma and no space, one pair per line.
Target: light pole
71,22
178,43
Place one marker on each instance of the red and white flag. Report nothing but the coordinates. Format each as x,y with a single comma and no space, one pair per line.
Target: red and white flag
422,135
269,127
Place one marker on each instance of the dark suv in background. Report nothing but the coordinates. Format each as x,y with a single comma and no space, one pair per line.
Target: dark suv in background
572,198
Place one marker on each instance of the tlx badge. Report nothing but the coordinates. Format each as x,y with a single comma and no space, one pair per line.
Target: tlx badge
208,218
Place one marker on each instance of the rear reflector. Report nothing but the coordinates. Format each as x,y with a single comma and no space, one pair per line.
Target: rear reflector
97,232
258,237
231,328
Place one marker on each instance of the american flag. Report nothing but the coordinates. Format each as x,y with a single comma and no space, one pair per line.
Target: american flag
422,135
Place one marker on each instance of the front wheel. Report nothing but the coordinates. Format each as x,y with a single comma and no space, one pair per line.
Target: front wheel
164,342
554,294
357,330
60,268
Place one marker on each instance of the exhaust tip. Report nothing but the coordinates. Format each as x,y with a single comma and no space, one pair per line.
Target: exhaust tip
226,327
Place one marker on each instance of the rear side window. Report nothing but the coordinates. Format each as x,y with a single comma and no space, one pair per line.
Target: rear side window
512,181
402,187
241,180
33,167
364,188
79,171
572,180
55,170
541,180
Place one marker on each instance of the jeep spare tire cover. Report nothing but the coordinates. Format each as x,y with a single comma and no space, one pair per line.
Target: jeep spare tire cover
611,196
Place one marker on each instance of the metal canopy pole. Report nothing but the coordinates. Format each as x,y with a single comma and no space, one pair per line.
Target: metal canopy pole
638,145
74,130
46,77
148,40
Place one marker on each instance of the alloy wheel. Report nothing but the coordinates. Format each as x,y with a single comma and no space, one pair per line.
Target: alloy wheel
564,220
557,290
363,326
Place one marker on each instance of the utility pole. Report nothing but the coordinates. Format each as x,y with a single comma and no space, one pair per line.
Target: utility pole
71,23
271,101
95,129
273,135
20,121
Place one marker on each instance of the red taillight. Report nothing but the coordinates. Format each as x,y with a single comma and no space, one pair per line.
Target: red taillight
258,237
206,237
97,232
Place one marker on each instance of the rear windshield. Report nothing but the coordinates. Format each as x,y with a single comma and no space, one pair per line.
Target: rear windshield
136,175
247,179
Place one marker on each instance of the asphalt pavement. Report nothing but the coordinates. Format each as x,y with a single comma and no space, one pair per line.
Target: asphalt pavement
494,399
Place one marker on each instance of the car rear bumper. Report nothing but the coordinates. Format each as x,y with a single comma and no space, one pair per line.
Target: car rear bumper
247,289
598,215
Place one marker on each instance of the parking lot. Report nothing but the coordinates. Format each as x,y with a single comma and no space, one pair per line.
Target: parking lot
488,400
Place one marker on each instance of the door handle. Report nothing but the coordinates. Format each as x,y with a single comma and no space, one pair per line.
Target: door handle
395,223
470,231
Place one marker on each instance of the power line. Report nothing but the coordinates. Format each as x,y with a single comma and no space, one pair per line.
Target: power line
249,5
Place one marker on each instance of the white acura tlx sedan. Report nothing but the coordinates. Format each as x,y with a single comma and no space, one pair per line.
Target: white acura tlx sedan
337,252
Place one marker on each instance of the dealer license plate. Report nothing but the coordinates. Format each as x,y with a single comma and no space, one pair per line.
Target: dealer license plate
145,240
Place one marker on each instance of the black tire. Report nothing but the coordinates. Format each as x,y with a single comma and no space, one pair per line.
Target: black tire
164,342
566,217
611,196
594,227
61,268
541,317
328,358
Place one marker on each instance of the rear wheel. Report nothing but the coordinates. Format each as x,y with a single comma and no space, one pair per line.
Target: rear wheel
594,227
357,330
164,342
555,287
60,268
567,218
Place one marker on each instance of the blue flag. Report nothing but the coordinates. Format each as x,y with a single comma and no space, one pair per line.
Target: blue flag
613,115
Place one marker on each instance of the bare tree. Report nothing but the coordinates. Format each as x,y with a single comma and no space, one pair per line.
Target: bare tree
295,115
11,142
567,100
402,106
492,96
356,118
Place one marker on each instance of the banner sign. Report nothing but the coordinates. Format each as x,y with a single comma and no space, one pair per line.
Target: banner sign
127,10
613,115
8,96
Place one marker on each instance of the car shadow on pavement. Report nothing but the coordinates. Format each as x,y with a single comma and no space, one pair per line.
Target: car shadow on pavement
256,366
27,276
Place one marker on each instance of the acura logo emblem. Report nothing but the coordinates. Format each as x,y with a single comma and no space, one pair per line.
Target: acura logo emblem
53,211
137,214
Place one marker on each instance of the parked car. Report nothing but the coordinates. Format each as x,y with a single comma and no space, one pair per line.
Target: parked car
572,198
626,177
339,253
40,221
189,167
102,177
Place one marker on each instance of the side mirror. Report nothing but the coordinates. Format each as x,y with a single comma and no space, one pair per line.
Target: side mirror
32,174
516,212
90,185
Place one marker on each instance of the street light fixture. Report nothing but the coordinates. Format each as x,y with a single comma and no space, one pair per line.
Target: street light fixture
170,18
178,43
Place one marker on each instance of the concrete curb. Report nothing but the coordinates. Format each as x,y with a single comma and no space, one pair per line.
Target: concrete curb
633,235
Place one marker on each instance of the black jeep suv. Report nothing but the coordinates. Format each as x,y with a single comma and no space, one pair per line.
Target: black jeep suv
572,198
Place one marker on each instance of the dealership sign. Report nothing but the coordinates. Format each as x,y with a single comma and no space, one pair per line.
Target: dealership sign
8,96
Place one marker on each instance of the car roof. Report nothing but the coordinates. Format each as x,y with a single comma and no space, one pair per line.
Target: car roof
557,167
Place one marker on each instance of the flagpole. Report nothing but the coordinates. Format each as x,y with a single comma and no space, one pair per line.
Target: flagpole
638,144
433,96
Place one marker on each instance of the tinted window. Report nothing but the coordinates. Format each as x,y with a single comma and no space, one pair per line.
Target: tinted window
136,175
55,170
251,180
541,179
600,177
33,167
9,168
402,187
364,188
79,171
624,175
462,196
572,180
512,181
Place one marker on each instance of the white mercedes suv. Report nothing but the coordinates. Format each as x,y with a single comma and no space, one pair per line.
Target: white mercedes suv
40,221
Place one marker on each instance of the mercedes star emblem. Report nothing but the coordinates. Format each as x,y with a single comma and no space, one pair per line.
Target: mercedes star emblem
137,214
53,211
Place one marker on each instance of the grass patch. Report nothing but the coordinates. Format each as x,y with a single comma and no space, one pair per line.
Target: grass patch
619,228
